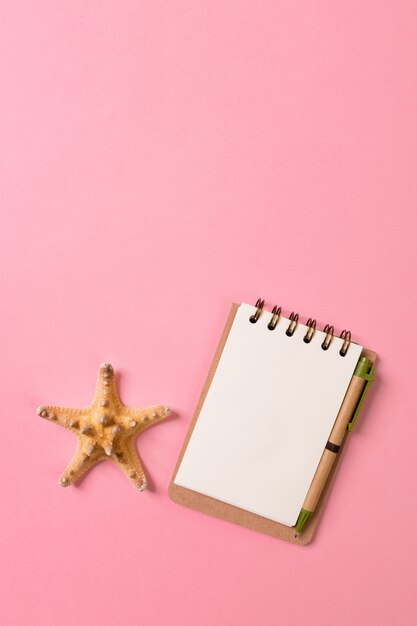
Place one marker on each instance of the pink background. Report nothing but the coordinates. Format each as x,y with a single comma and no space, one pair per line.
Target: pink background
158,161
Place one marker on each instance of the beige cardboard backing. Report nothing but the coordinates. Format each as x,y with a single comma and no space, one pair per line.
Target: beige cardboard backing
216,508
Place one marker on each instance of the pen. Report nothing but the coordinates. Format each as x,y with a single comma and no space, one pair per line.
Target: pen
362,377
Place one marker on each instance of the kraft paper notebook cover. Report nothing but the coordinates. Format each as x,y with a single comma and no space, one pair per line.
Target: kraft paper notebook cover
270,401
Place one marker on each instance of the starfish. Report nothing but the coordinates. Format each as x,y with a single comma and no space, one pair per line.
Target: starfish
105,430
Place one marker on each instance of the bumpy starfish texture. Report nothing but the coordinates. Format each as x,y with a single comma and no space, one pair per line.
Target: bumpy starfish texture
106,430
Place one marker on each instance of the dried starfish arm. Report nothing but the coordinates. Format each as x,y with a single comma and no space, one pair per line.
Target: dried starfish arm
136,420
86,455
68,418
129,463
106,391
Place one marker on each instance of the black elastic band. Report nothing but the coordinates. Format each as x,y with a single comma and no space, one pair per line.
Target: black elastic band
332,447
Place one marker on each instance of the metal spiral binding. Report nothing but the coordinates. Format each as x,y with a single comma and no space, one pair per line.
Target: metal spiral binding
311,330
292,325
346,336
276,313
259,306
329,330
311,324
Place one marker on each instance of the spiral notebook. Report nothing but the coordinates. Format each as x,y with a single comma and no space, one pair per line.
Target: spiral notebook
264,417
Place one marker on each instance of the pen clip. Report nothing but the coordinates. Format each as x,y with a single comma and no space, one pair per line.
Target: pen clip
369,377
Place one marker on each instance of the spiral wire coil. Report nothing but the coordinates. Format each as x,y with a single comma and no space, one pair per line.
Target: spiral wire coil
345,335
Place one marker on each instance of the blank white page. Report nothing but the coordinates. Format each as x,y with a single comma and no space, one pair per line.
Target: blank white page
267,417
